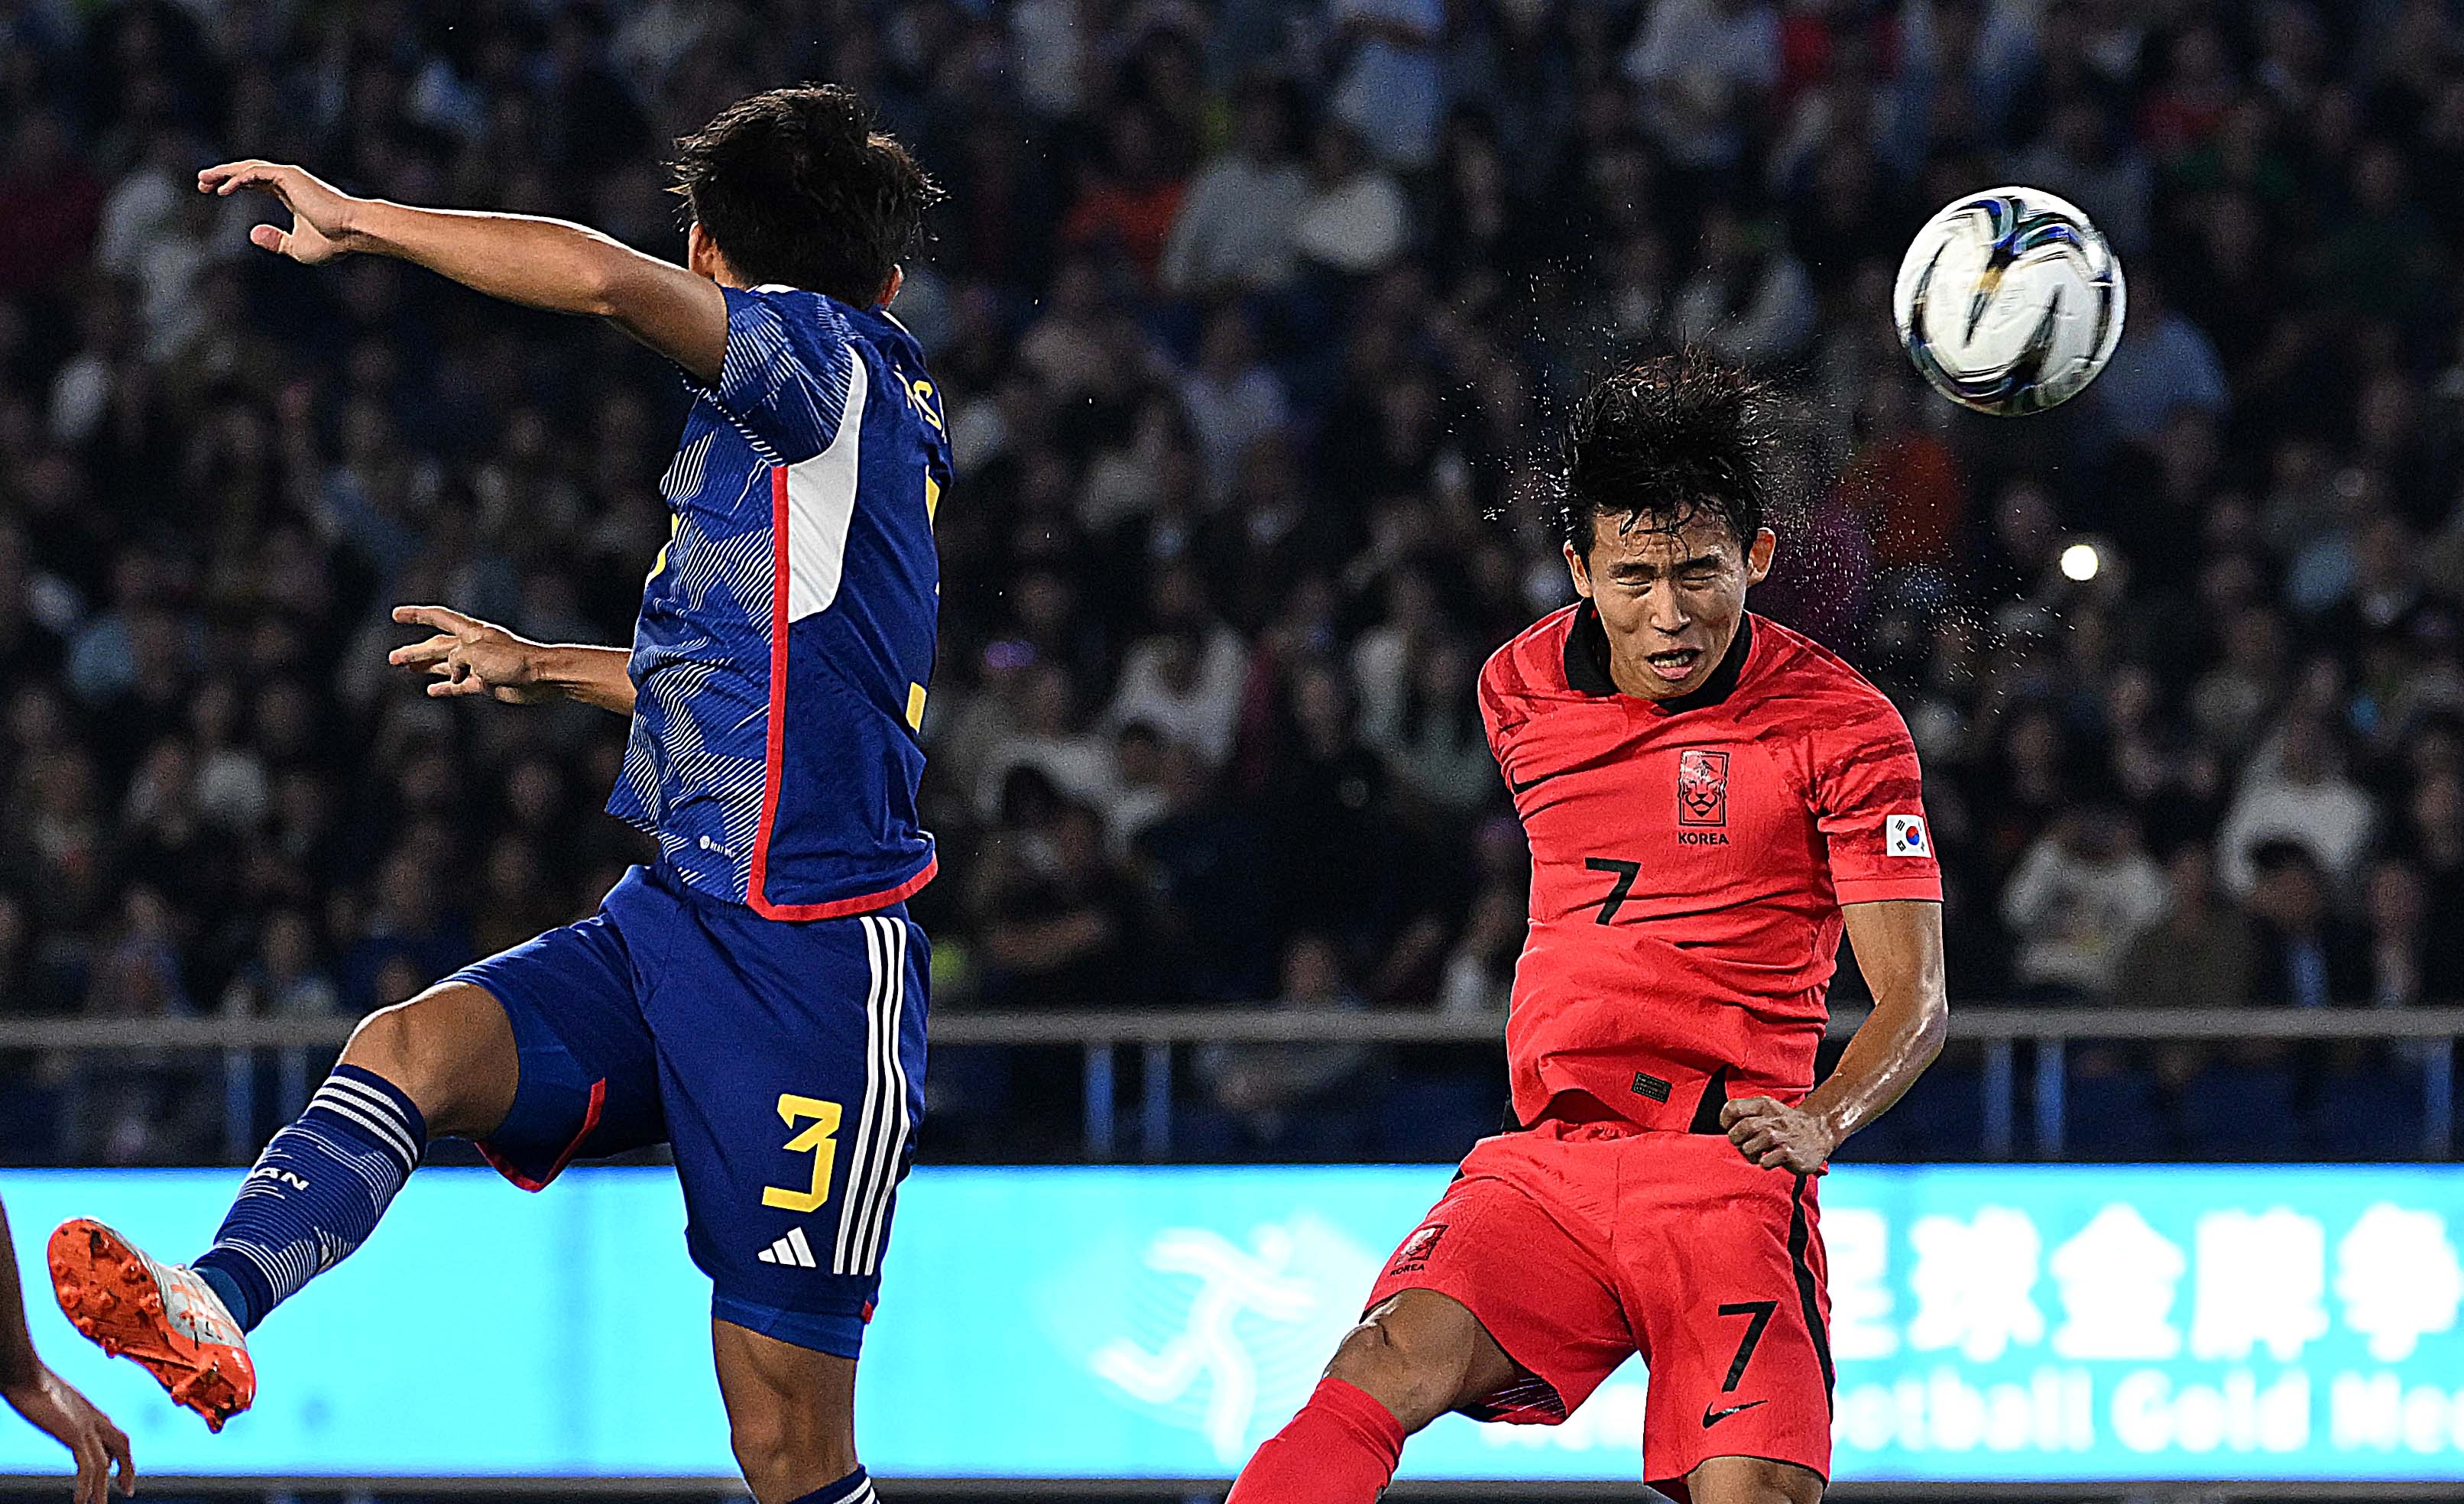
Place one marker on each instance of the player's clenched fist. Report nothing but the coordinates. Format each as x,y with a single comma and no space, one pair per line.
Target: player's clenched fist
470,656
1776,1136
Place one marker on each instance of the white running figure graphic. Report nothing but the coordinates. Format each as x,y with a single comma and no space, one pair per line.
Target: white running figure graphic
1231,1282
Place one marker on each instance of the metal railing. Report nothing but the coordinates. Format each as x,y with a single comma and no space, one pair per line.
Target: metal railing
300,1044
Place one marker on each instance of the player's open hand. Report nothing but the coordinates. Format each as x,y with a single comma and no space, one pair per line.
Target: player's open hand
322,216
470,656
1776,1136
70,1418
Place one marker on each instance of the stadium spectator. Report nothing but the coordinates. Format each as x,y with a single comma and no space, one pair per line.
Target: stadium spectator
1232,399
1057,921
1186,683
1480,974
1703,66
2396,912
2199,952
1234,231
1279,1100
2080,157
1749,299
2170,366
2294,791
1254,322
284,980
2309,956
1131,195
1391,86
2080,895
1048,740
1355,219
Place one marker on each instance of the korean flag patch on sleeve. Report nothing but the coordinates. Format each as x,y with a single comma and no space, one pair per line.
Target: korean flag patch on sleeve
1904,835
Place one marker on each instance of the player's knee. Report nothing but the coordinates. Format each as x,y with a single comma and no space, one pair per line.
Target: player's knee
1753,1480
760,1454
763,1447
785,1453
449,1051
1416,1368
388,1042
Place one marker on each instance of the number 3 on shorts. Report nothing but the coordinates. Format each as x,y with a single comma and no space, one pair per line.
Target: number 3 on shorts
820,1140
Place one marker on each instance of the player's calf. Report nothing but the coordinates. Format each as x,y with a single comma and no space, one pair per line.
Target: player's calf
1341,1449
445,1061
790,1418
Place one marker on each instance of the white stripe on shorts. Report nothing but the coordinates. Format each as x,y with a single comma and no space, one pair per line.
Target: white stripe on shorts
890,1146
875,953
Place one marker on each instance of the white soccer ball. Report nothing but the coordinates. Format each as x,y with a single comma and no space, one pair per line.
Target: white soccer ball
2008,302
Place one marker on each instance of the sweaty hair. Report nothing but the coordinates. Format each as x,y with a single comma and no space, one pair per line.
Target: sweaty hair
796,186
1658,444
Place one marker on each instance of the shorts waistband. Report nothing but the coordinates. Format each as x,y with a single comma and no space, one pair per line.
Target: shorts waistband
664,876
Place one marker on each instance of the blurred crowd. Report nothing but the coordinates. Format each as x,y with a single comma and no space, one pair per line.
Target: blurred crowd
1252,320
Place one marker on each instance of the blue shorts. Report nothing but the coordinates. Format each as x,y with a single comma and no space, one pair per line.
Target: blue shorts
782,1060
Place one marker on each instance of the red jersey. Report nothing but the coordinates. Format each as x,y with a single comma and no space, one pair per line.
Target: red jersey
1689,861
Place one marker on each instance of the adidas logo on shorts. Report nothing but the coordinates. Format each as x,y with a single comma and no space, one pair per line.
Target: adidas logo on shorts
791,1250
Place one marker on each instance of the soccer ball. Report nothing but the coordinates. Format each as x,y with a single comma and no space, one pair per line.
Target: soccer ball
2008,302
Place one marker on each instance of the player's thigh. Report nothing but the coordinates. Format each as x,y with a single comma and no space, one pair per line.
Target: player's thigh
791,1062
1723,1279
1540,1296
584,1077
790,1411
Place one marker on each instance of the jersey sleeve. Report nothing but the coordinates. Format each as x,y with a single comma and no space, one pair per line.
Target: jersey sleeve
787,370
1501,711
1869,803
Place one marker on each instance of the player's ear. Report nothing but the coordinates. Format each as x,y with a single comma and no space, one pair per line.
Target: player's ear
1580,568
890,286
704,258
1758,554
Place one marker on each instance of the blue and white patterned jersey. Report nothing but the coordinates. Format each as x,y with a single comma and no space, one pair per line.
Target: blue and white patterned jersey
787,630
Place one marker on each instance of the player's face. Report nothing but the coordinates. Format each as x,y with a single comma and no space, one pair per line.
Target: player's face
1669,602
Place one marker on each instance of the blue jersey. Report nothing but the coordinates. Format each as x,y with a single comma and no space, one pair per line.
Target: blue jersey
787,630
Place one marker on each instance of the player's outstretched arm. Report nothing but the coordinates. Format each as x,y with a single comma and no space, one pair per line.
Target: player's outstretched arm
57,1410
540,264
1899,948
470,656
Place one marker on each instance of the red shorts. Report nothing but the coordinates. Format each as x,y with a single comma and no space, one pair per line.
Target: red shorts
1579,1244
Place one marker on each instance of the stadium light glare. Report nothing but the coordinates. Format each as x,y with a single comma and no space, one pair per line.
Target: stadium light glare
2079,563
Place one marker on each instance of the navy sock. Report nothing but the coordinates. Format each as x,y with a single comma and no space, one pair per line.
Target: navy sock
853,1489
316,1193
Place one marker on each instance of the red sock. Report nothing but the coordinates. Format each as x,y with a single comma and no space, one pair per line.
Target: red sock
1340,1450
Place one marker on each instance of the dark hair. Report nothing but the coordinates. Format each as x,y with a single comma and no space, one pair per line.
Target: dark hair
796,186
2278,854
1660,443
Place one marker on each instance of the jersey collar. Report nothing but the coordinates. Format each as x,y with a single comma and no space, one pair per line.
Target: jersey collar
1587,663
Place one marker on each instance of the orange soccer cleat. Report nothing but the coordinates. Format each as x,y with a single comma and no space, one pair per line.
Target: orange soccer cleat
161,1314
